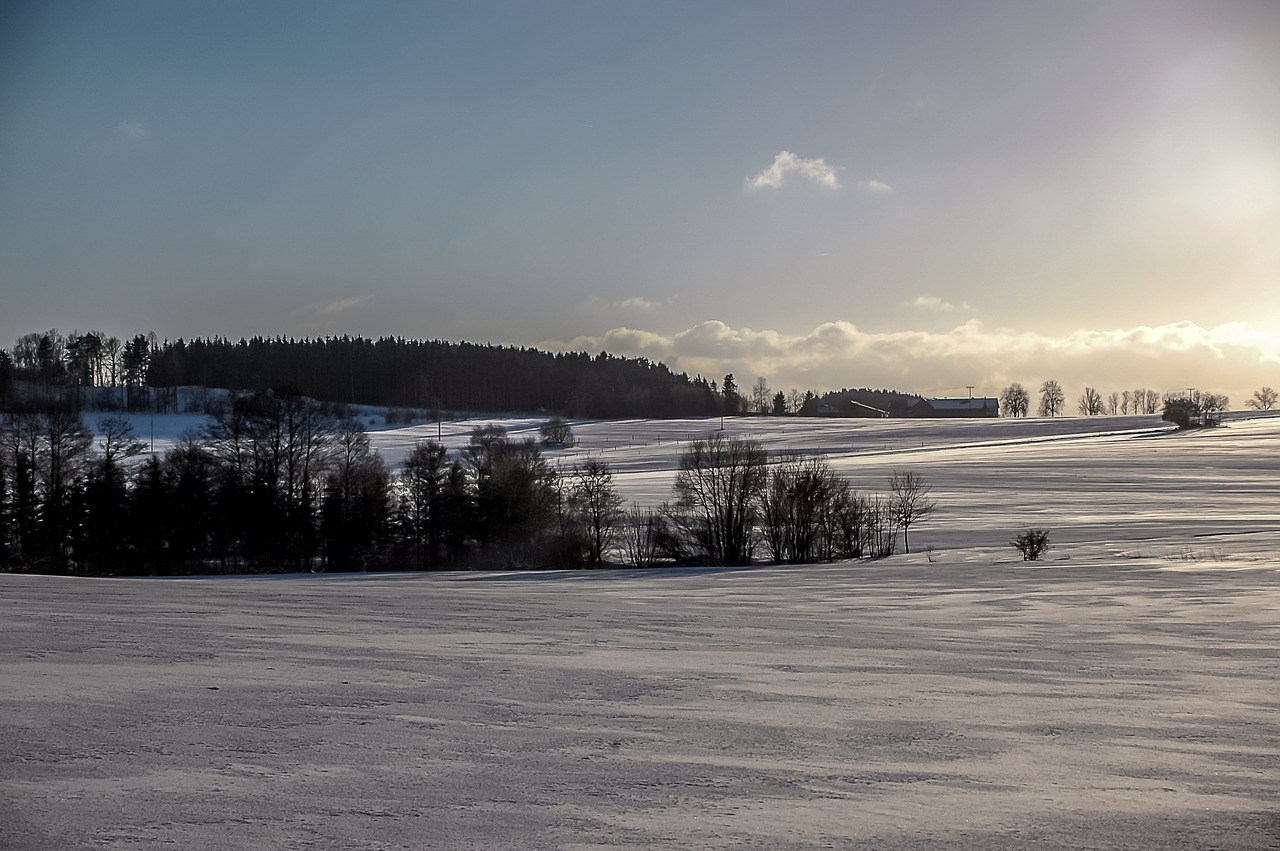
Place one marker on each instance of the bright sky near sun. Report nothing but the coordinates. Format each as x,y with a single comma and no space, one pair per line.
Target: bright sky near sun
920,195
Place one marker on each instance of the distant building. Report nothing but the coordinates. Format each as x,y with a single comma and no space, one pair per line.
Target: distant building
849,408
979,406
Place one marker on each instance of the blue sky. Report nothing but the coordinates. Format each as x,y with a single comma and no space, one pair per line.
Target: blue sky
921,195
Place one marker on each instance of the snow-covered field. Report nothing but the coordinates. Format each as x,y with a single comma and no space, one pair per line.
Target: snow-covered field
1119,487
1121,694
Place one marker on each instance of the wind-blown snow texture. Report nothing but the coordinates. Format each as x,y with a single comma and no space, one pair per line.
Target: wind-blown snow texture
1122,694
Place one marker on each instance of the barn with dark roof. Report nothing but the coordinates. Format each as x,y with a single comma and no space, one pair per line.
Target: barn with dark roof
974,406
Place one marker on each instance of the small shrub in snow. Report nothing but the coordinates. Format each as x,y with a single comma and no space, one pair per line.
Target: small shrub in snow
1032,543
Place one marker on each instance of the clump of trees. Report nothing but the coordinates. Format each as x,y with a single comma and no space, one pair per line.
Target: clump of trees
1195,410
732,502
279,481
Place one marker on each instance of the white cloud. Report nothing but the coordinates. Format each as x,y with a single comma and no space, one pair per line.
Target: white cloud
331,308
1232,358
787,165
132,130
876,186
937,305
633,303
638,303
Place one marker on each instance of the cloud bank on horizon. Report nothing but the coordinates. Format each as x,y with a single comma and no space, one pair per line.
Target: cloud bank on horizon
1231,358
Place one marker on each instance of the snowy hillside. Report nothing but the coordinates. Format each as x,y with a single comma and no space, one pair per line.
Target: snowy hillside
1126,487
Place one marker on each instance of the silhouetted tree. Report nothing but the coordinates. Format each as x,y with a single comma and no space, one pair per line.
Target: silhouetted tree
909,502
596,503
1090,403
1015,401
357,502
1051,399
556,432
760,394
717,483
795,506
1263,399
423,480
732,401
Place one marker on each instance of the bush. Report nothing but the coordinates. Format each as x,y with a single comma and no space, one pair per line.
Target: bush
1032,543
556,432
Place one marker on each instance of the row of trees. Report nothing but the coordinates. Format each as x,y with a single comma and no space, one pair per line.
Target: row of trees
282,482
1015,401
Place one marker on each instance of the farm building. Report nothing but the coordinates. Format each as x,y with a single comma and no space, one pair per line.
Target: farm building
980,406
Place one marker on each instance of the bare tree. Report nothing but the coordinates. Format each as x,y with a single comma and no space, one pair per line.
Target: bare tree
795,506
760,395
117,440
1152,402
593,498
642,533
859,526
1212,407
1113,403
1051,399
794,400
716,487
909,502
1263,400
1015,401
1090,403
556,432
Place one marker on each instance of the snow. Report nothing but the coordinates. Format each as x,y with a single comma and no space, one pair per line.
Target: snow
1121,694
1123,487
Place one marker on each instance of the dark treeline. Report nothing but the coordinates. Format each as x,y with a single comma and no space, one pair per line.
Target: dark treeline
426,374
276,482
97,371
861,402
280,482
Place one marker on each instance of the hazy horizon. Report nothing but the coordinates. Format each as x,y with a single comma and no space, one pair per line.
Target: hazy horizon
916,195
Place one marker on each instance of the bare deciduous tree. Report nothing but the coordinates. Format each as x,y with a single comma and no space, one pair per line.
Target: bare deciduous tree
593,498
1051,399
909,502
760,396
716,487
642,533
556,432
1015,401
1090,403
1263,399
794,508
117,440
